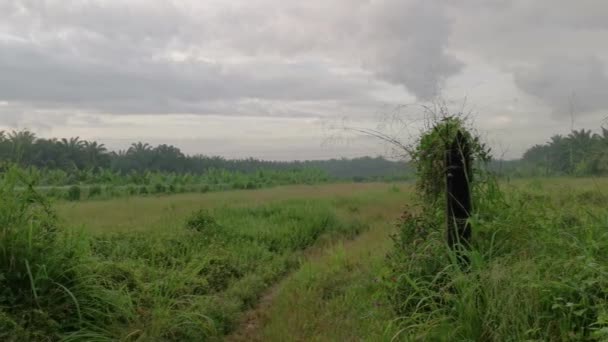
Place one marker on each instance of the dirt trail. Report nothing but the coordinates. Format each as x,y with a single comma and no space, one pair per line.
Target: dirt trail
359,252
254,320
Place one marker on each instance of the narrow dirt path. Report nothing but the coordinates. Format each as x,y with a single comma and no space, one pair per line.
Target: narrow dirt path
360,253
254,319
336,293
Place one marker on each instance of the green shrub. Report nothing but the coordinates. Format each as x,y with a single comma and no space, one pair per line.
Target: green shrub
55,193
131,190
74,193
159,188
219,272
143,190
238,185
94,191
203,222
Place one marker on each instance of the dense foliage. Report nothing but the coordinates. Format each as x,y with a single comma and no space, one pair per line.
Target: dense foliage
77,157
579,153
429,154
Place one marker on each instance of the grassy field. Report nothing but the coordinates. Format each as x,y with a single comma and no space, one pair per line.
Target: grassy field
165,212
307,263
182,267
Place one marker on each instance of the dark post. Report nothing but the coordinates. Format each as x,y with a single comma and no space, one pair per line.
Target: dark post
458,194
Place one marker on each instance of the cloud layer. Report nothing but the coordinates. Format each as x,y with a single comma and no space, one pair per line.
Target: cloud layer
63,59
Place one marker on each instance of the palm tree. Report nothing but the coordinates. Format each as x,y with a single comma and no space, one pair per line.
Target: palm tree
73,153
141,154
581,146
72,144
139,147
21,145
95,154
4,147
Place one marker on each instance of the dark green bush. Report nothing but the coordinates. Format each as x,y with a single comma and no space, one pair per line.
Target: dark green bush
159,188
94,191
219,272
202,221
74,193
131,190
55,193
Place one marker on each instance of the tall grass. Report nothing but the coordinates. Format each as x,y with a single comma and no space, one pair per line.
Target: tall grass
538,272
46,291
187,282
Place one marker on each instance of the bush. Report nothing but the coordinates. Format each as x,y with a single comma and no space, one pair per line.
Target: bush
94,191
55,193
239,185
429,154
73,193
143,190
131,190
203,222
159,188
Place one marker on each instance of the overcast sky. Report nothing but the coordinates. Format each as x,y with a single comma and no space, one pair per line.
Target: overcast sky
271,78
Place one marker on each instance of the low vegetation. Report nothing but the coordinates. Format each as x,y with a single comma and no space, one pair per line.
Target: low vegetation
189,266
537,268
188,278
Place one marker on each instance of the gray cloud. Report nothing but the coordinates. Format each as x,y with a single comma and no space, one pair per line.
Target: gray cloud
160,57
553,49
69,61
568,86
34,75
411,41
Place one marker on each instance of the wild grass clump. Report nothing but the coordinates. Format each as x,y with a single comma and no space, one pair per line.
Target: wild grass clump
202,221
46,291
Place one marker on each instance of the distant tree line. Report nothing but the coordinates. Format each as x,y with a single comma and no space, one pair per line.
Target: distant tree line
581,152
74,155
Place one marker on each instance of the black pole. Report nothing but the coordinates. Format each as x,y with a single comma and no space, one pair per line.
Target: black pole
458,194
